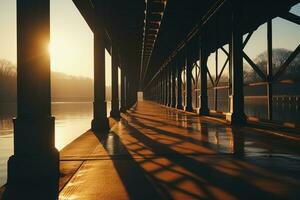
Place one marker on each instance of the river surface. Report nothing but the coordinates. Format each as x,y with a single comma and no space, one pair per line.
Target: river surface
71,120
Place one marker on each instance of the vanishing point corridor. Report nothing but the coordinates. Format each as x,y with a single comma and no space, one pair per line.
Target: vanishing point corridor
202,101
156,152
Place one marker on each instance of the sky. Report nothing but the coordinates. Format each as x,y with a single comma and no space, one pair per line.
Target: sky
71,43
285,35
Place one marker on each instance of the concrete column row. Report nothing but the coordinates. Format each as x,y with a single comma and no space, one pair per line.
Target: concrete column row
33,170
170,79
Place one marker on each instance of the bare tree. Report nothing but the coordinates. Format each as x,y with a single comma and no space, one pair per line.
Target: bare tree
7,68
279,57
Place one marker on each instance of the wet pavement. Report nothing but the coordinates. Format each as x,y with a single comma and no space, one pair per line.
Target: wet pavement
159,153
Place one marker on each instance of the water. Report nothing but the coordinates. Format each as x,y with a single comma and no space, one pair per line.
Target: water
258,107
282,112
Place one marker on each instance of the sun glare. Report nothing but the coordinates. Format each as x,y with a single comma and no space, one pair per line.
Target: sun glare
50,49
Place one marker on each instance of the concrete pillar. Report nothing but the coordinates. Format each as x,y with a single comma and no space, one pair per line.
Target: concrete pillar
166,86
270,70
238,141
189,66
115,112
215,89
173,74
179,84
35,163
123,90
203,56
156,91
161,88
169,85
100,121
128,106
237,115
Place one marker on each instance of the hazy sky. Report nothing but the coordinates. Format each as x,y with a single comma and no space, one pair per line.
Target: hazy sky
72,40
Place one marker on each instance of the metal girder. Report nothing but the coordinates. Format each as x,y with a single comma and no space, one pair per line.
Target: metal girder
291,17
220,75
154,15
152,31
153,25
251,22
224,50
247,39
286,63
210,77
86,8
255,67
157,6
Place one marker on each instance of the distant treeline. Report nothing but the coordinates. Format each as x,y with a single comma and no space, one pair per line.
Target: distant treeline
290,77
286,85
70,88
8,83
63,87
73,88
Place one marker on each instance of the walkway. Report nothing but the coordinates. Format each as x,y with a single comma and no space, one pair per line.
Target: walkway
159,153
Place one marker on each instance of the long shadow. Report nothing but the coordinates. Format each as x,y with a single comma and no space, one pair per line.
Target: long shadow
239,151
138,182
188,121
238,141
277,144
233,185
132,176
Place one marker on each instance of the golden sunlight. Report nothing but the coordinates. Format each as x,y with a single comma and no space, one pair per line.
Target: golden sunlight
50,49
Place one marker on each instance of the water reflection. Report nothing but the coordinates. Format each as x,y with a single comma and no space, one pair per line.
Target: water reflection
258,107
192,130
71,120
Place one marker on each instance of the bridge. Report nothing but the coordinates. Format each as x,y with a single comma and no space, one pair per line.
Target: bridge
175,141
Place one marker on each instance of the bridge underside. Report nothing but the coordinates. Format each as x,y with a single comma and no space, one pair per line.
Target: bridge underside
170,148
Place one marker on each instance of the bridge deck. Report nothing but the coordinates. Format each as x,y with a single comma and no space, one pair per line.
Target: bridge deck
159,153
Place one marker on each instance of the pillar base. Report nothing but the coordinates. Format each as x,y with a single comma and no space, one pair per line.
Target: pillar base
100,125
188,109
180,107
169,105
236,118
123,110
203,111
173,105
33,177
115,114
